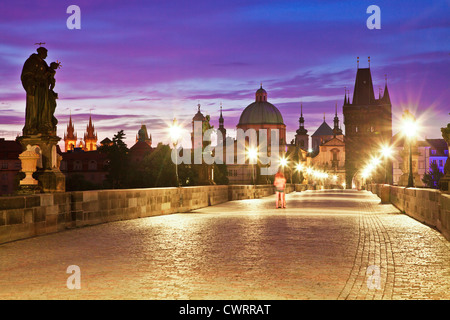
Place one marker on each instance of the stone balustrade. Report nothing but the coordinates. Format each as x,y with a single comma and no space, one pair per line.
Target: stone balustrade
428,206
32,215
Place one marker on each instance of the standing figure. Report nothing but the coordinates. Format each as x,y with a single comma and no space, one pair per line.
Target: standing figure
280,184
34,81
49,121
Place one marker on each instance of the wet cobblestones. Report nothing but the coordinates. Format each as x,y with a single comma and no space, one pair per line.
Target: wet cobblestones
318,248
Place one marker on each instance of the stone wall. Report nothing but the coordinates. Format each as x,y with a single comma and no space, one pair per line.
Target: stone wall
429,206
27,216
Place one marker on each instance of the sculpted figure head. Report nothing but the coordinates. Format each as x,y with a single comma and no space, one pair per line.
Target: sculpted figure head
42,52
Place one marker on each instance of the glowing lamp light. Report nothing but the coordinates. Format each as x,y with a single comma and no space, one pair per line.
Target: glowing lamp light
283,162
299,167
410,128
374,162
252,154
386,151
175,131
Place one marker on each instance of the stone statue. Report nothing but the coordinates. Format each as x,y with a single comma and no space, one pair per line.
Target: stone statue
38,81
205,127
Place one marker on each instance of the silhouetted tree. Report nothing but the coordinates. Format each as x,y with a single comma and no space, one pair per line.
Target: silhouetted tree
432,177
117,167
220,174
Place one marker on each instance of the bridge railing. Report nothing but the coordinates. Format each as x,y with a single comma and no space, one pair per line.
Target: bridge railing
429,206
32,215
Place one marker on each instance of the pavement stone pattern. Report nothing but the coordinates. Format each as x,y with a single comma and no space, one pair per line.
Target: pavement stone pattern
319,247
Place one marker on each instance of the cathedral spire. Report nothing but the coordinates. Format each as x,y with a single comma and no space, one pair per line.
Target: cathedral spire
70,138
336,129
90,137
345,95
386,99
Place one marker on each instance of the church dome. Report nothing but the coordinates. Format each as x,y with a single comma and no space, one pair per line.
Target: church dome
261,111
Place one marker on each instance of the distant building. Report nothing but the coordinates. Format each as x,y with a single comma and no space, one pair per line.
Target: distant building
323,134
259,115
90,137
302,137
9,165
329,151
368,123
142,147
438,152
70,137
92,165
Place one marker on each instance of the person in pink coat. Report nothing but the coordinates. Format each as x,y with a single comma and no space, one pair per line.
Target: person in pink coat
280,185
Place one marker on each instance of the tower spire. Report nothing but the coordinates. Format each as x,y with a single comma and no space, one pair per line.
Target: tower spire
336,129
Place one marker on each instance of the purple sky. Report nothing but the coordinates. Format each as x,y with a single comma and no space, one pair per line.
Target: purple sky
145,62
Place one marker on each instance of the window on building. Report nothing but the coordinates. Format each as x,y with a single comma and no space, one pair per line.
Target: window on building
92,165
441,163
4,165
356,128
433,151
77,165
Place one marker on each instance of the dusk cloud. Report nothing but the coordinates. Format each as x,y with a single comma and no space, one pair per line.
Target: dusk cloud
136,61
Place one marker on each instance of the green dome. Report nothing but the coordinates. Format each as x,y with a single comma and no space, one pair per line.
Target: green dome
261,112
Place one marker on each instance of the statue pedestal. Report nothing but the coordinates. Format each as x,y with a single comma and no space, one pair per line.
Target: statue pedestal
444,183
51,181
50,178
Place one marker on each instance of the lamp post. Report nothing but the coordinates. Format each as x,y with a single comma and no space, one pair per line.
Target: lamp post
386,152
409,131
175,133
299,168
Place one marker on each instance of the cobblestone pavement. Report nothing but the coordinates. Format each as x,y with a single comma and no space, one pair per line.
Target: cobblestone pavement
320,247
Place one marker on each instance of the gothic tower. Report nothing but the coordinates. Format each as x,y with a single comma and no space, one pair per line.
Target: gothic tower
70,137
90,137
302,137
197,138
337,131
223,132
368,123
142,135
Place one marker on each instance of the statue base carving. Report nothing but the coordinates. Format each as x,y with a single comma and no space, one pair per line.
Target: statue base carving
51,181
28,189
50,178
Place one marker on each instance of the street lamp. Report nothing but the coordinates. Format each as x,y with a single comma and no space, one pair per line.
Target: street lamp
284,163
386,152
299,168
175,134
410,129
